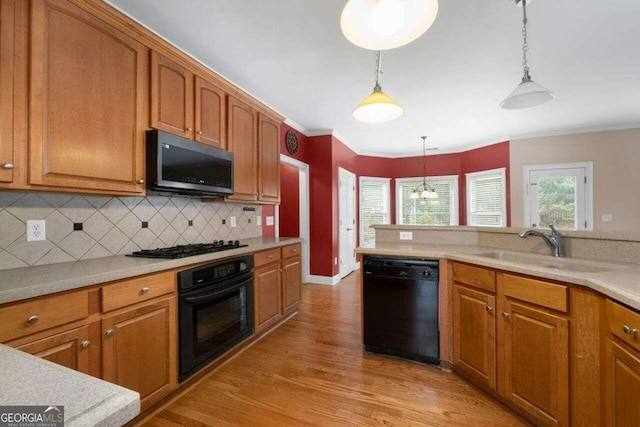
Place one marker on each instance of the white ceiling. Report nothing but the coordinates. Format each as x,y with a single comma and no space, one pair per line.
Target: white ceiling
292,56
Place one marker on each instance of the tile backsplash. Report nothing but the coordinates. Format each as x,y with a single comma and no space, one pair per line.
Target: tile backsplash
82,227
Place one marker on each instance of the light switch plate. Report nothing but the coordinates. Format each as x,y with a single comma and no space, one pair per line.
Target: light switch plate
259,220
406,235
232,221
607,218
269,220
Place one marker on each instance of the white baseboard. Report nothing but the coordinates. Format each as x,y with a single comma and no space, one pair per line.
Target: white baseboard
324,280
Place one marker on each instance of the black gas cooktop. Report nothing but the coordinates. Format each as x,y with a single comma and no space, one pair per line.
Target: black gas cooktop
182,251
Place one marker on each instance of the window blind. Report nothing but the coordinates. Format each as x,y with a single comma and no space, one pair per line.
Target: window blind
374,207
427,211
486,200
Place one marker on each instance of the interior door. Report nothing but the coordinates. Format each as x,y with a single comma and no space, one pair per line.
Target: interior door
347,221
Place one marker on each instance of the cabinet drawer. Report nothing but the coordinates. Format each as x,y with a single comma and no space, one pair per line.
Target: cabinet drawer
537,292
479,277
291,251
624,323
44,313
266,257
136,290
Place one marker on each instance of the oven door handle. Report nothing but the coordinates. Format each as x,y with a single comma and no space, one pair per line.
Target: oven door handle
208,297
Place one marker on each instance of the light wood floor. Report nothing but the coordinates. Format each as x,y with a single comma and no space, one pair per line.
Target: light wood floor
312,371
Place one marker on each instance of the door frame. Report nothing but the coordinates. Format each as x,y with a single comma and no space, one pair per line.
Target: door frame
304,212
350,261
588,196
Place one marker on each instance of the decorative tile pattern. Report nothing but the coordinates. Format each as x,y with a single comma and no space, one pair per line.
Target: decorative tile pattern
112,225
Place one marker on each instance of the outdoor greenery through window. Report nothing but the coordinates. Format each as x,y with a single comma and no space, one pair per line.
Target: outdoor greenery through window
440,211
374,206
486,198
557,202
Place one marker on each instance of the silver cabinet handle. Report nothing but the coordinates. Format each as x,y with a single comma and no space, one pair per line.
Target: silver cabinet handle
629,331
144,290
141,181
110,332
200,132
505,315
85,344
269,256
488,309
189,129
32,320
7,166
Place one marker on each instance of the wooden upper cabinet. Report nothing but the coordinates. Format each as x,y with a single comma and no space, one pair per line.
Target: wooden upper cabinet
242,142
210,118
7,64
171,97
88,101
269,158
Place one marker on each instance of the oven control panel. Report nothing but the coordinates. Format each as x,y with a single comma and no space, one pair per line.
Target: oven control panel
214,272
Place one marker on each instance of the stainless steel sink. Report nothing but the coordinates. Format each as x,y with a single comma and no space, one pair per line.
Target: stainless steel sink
560,264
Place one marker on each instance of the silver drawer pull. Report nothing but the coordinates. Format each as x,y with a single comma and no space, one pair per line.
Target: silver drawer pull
144,290
488,309
505,315
7,166
200,132
629,331
85,344
110,332
32,320
141,181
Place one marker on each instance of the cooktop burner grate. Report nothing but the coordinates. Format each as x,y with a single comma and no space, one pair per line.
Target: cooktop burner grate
182,251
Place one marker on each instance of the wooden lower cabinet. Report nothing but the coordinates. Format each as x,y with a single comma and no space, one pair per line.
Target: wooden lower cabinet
291,283
474,340
266,293
139,349
535,367
621,384
72,349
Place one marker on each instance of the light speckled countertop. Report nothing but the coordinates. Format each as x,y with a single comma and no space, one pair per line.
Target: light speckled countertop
87,401
618,281
22,283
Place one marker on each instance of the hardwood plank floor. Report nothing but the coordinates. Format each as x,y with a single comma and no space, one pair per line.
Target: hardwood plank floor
312,371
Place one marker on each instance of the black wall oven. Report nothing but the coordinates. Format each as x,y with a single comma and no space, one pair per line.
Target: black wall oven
215,310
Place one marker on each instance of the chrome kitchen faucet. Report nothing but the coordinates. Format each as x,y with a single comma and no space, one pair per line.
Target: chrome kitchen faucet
552,241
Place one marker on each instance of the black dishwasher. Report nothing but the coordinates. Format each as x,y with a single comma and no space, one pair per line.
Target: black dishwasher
400,308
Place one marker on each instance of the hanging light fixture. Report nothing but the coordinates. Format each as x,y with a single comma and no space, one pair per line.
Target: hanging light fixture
528,93
377,107
423,191
386,24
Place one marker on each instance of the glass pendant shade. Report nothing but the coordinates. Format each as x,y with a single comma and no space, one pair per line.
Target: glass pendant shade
386,24
377,108
414,195
527,94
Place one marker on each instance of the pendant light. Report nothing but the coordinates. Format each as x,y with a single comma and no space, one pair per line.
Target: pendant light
528,93
423,191
377,107
386,24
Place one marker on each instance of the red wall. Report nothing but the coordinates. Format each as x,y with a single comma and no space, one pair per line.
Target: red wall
325,154
290,204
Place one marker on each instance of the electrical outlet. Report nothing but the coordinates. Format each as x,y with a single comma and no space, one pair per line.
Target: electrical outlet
607,217
35,230
269,221
406,235
335,260
232,221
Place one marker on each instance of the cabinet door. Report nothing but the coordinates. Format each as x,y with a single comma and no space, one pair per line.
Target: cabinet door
474,344
242,142
291,282
269,157
210,114
139,349
171,97
7,58
536,362
71,349
266,293
88,101
622,384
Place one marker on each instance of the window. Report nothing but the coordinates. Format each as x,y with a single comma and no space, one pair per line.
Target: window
374,206
559,194
487,198
440,211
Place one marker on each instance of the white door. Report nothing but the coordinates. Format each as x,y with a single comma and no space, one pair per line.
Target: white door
559,195
347,221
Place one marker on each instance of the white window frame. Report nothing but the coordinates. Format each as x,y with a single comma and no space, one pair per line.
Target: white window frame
387,201
502,172
442,179
588,170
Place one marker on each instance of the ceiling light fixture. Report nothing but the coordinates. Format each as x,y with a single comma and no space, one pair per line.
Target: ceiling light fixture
386,24
423,191
377,107
528,93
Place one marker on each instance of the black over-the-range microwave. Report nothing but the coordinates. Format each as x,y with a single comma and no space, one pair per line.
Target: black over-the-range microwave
179,165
